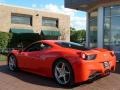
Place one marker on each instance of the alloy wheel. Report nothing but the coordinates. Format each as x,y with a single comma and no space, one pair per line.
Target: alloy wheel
12,63
62,73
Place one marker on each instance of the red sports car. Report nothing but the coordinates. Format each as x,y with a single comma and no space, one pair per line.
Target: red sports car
67,62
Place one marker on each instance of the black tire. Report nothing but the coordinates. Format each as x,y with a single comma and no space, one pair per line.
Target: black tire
68,69
12,63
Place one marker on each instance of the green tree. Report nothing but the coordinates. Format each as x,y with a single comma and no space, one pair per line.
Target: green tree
77,36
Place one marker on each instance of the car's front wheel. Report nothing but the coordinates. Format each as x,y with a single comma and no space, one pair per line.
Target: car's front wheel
63,73
12,63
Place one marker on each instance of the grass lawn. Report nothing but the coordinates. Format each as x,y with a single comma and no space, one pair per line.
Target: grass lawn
3,58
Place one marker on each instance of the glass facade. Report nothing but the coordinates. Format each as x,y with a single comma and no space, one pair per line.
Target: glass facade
107,27
49,22
112,28
93,29
21,19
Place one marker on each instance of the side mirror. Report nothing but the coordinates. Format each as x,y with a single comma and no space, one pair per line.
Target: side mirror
20,47
20,50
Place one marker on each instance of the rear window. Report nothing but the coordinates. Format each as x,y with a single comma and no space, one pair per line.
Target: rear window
71,45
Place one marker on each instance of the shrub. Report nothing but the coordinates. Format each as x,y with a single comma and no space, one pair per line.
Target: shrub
4,39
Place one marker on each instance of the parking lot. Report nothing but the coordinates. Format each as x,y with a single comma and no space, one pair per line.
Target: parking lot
26,81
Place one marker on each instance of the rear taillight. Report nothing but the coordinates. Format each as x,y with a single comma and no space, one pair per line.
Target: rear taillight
82,55
112,53
87,57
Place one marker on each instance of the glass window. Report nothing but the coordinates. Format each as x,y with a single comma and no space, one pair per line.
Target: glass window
71,45
37,47
112,29
93,29
115,31
44,46
21,19
49,22
115,10
107,11
115,35
107,26
34,47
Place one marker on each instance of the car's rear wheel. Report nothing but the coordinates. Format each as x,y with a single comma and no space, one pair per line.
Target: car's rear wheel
12,63
63,73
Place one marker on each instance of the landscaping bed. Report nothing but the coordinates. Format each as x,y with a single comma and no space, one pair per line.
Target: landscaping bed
3,57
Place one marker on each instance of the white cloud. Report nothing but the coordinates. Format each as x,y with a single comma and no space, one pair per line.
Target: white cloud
34,5
77,21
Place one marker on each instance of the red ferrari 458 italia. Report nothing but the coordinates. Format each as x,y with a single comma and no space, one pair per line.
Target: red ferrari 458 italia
67,62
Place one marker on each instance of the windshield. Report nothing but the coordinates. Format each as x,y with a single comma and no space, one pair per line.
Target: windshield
71,45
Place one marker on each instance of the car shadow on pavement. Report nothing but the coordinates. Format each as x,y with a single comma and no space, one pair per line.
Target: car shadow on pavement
29,78
32,78
38,80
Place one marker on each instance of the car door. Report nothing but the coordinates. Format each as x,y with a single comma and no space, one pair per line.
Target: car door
32,57
29,58
45,57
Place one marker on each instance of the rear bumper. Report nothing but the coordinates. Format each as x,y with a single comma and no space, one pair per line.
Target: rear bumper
90,69
95,74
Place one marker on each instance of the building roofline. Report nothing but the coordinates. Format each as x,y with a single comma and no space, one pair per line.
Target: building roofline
86,5
34,9
23,7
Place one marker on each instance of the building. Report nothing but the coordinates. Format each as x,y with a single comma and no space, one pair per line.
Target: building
103,22
50,25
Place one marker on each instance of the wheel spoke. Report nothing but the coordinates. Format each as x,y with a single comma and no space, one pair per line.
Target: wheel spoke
58,70
60,76
63,66
64,78
11,59
10,62
67,72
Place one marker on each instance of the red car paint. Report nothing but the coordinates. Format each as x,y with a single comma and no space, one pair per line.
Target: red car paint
41,62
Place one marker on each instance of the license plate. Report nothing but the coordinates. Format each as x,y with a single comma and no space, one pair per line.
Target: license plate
106,65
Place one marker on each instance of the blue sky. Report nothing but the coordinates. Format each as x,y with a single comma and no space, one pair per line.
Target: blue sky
78,18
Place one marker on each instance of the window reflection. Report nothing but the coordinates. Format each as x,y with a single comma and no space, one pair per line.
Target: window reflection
21,19
49,22
93,29
107,32
115,30
115,10
112,29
